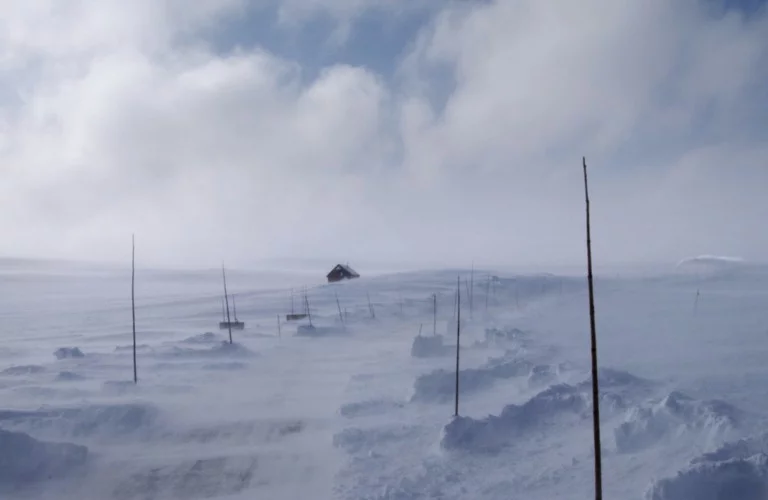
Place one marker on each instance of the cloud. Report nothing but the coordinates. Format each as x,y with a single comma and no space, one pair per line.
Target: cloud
123,117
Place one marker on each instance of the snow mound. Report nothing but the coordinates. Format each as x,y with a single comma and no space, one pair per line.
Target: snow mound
440,386
23,370
197,478
25,460
743,448
204,338
68,352
673,416
368,408
734,479
96,421
429,346
493,432
68,377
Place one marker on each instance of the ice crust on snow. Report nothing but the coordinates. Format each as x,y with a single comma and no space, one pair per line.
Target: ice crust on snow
25,460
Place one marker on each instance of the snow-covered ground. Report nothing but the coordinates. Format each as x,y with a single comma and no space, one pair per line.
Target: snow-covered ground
354,410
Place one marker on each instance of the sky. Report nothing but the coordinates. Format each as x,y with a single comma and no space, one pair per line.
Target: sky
431,132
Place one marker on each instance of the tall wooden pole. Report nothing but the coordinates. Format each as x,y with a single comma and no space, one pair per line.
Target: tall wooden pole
133,305
458,343
226,301
593,337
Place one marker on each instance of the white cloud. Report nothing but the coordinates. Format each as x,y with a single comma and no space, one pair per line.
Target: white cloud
119,117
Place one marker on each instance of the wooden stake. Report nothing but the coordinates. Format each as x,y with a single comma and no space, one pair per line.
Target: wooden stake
306,301
133,305
696,302
593,338
226,301
279,332
487,292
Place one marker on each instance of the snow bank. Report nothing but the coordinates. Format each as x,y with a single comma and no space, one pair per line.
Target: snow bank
440,386
68,352
25,460
733,479
428,346
23,370
492,432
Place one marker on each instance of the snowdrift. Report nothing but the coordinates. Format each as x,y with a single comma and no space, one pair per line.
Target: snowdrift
493,432
204,338
23,370
439,386
207,477
25,460
68,377
68,352
429,346
224,349
672,416
368,408
733,479
320,331
96,421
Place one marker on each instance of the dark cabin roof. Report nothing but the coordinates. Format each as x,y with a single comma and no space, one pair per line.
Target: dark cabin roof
345,270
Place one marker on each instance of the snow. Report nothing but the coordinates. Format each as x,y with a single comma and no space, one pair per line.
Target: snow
363,408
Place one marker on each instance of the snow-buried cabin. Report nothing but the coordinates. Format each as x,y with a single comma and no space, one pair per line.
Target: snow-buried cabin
341,272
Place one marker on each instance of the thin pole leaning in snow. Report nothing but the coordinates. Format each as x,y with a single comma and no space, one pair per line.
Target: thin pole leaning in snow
593,337
338,304
226,301
133,305
458,342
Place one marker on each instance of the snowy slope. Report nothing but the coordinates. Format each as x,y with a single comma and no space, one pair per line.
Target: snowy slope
354,411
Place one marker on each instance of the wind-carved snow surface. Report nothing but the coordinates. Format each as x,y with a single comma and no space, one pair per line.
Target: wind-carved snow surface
736,471
673,416
362,409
